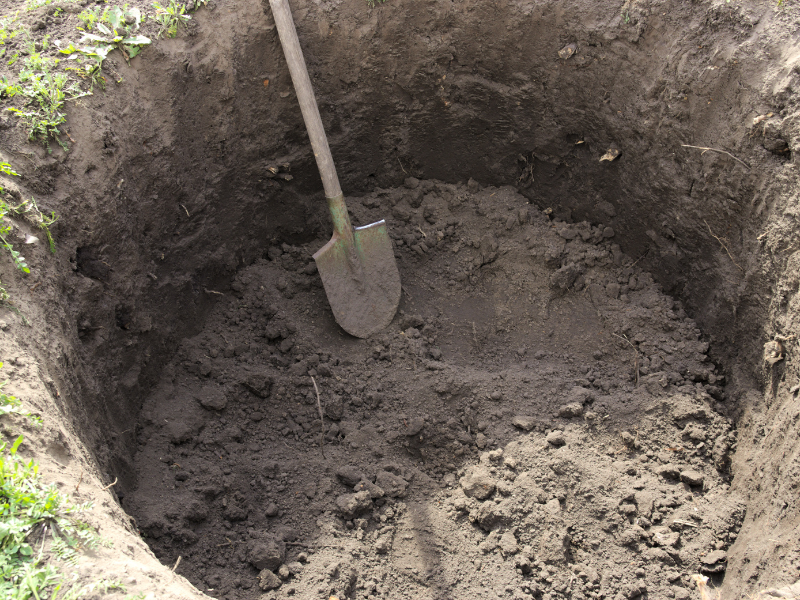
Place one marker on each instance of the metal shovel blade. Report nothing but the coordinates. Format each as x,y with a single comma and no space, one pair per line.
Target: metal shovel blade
361,281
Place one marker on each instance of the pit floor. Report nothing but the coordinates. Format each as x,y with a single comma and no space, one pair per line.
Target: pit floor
538,421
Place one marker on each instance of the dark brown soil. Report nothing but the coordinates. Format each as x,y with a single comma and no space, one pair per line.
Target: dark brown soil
573,400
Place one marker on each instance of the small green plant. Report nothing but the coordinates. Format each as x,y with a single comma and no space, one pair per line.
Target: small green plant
5,229
30,211
371,3
90,17
46,92
170,17
30,513
120,36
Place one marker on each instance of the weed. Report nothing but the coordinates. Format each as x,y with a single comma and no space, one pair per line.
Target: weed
90,17
170,17
29,210
7,88
5,229
30,512
371,3
119,36
46,92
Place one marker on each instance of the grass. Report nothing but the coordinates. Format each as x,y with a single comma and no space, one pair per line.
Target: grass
170,16
45,92
42,85
31,515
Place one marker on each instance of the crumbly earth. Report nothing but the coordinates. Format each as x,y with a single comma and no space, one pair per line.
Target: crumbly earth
539,421
648,423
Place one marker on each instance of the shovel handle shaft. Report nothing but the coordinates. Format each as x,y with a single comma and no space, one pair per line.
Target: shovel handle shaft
305,96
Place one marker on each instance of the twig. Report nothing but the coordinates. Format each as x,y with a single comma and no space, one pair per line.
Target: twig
704,149
184,208
635,361
228,543
321,419
401,165
686,523
80,481
177,562
646,252
111,484
208,291
724,247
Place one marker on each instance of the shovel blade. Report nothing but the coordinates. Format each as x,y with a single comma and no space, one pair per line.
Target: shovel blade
362,282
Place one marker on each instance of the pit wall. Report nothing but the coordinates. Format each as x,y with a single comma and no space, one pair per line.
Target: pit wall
168,188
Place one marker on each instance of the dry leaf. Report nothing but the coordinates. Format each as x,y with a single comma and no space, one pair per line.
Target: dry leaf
610,154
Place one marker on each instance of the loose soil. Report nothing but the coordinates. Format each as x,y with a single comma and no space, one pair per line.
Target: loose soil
589,390
523,429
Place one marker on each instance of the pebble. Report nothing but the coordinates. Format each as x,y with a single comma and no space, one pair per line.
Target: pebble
692,477
415,426
478,483
523,422
556,438
573,409
212,398
267,580
392,485
508,543
349,475
349,505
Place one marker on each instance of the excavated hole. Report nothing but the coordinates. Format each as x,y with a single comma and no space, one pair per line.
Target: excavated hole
542,419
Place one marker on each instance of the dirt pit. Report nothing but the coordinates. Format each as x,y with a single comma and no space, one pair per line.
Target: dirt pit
594,214
540,421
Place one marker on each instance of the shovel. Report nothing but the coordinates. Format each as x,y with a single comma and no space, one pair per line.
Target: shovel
357,266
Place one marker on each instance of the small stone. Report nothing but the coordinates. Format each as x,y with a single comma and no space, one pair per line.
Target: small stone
556,438
349,475
508,543
608,232
383,544
668,471
415,426
271,510
627,438
480,441
267,554
349,505
375,491
212,398
664,536
573,409
714,562
553,506
393,485
283,572
411,183
523,422
267,580
478,483
692,477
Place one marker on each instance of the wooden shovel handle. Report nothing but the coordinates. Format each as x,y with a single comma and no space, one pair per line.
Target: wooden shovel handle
305,96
